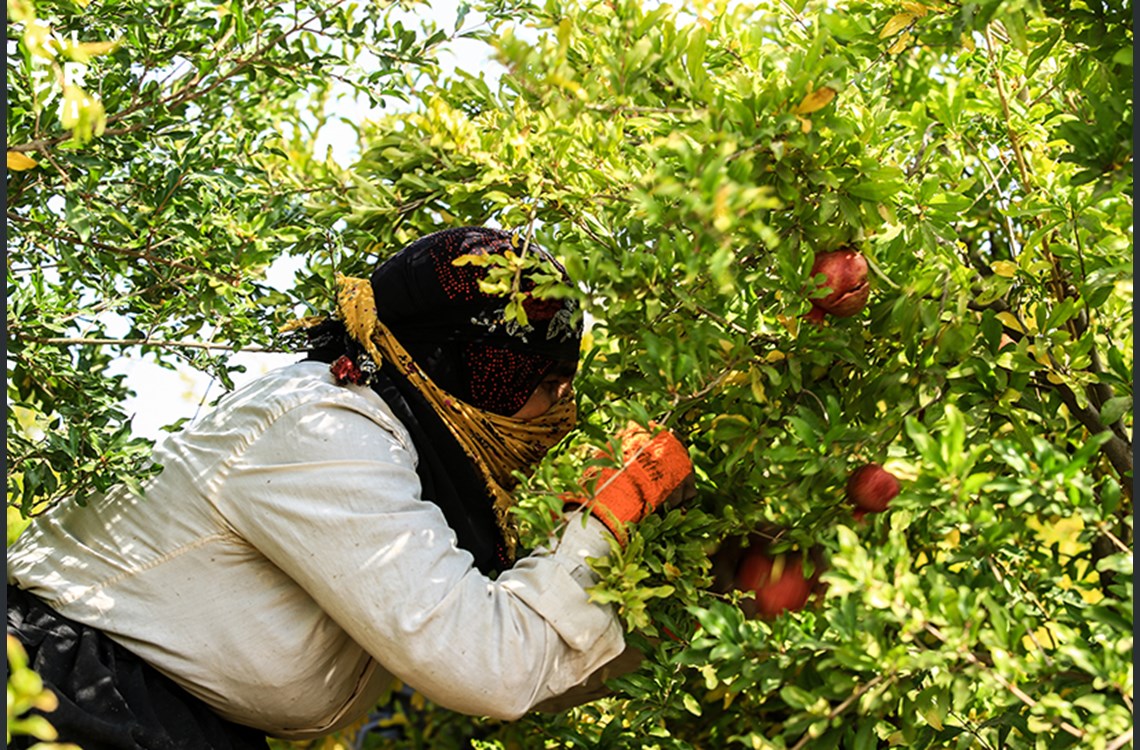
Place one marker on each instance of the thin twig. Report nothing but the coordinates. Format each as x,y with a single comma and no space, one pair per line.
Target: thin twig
613,109
858,693
516,285
726,323
1013,139
1022,166
160,343
999,198
1002,576
109,303
124,251
62,172
970,727
1103,528
796,15
1079,325
1120,741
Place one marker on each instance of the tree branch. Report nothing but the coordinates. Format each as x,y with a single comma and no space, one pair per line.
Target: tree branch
124,251
1099,392
999,199
1117,450
1013,139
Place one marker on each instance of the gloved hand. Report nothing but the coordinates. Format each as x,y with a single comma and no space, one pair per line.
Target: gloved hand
655,469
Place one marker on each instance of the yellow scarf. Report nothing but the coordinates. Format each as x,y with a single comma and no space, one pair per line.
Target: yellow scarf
499,446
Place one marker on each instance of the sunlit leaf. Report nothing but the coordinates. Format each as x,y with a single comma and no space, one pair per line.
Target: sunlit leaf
19,162
815,101
896,23
1004,268
902,43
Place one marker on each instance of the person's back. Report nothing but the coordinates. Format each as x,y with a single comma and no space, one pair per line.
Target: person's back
171,576
335,524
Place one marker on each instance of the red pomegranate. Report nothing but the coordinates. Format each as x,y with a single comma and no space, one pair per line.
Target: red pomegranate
871,488
846,276
777,582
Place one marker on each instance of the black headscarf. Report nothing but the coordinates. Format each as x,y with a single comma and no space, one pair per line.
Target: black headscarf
459,336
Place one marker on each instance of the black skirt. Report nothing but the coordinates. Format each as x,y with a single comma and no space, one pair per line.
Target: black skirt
109,699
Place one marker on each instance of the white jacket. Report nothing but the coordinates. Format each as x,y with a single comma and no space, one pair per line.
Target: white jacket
283,568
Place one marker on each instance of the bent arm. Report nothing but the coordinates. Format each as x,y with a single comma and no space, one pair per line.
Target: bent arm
332,499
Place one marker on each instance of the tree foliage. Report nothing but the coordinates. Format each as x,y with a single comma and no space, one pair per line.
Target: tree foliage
688,168
145,200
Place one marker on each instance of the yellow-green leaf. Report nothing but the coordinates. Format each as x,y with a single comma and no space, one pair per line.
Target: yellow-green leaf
18,162
902,43
38,727
84,51
933,717
471,259
1009,320
92,49
1004,268
898,22
815,101
757,384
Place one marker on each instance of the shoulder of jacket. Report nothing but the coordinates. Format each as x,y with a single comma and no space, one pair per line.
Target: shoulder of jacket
304,385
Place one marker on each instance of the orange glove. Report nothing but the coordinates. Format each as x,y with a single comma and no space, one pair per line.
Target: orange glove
654,468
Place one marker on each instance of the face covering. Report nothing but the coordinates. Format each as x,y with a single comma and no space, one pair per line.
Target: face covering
438,350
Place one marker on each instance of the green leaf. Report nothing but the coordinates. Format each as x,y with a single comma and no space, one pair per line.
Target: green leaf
1014,22
1042,50
796,697
865,738
695,56
1115,408
1099,295
77,217
874,190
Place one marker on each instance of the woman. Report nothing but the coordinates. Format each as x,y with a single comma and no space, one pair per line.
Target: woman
335,525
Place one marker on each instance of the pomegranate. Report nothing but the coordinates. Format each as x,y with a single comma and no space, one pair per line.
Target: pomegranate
777,582
846,276
871,488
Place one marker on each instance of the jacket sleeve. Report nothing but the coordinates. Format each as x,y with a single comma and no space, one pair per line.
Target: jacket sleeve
332,498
